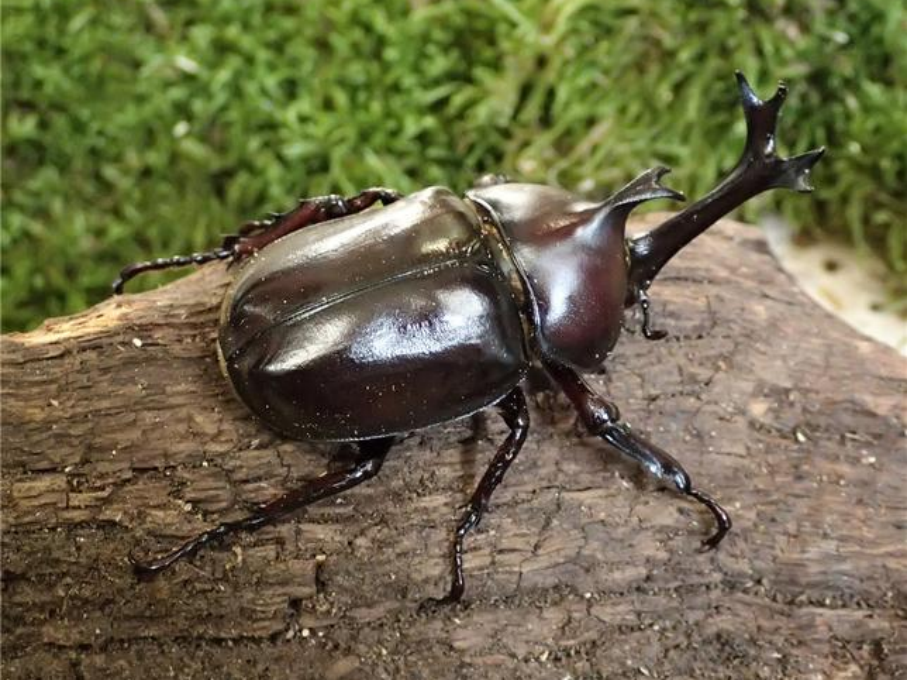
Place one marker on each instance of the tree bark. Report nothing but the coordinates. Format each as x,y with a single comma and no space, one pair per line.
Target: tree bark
120,435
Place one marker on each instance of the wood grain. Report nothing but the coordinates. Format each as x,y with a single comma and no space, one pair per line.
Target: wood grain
119,435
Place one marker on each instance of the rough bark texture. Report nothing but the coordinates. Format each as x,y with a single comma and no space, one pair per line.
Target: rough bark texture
119,435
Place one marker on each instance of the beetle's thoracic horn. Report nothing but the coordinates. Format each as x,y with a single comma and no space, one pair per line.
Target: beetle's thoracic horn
758,170
644,187
606,221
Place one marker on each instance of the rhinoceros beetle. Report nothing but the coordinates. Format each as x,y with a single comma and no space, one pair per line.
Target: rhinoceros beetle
353,325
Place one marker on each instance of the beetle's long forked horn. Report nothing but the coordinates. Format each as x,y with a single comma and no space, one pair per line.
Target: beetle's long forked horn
758,170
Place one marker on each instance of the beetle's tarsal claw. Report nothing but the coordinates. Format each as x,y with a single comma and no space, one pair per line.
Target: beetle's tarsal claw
430,605
723,520
143,571
646,309
653,334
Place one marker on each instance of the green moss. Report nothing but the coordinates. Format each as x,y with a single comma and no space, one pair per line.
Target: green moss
138,129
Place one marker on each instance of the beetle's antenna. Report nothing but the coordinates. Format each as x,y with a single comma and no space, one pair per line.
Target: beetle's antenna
758,170
137,268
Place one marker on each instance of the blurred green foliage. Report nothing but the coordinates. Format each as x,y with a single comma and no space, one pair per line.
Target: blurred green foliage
139,129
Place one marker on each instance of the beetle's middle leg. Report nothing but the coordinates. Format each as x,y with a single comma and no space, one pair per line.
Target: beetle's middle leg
601,418
513,408
255,235
372,454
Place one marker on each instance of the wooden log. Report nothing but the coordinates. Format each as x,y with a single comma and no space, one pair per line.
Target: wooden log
119,435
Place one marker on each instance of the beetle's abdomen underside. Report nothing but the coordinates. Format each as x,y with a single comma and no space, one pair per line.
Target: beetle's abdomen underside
381,323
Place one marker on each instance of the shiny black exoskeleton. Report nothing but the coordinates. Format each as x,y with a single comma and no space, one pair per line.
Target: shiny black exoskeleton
347,324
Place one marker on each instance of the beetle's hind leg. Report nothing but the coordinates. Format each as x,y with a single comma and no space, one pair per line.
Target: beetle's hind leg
137,268
602,418
255,235
372,454
513,408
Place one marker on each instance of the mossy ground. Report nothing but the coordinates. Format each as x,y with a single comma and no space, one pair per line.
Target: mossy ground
141,129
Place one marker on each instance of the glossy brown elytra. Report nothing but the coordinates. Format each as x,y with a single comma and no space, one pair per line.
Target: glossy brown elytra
356,325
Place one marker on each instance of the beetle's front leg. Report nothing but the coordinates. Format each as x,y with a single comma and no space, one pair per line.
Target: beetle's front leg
602,418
